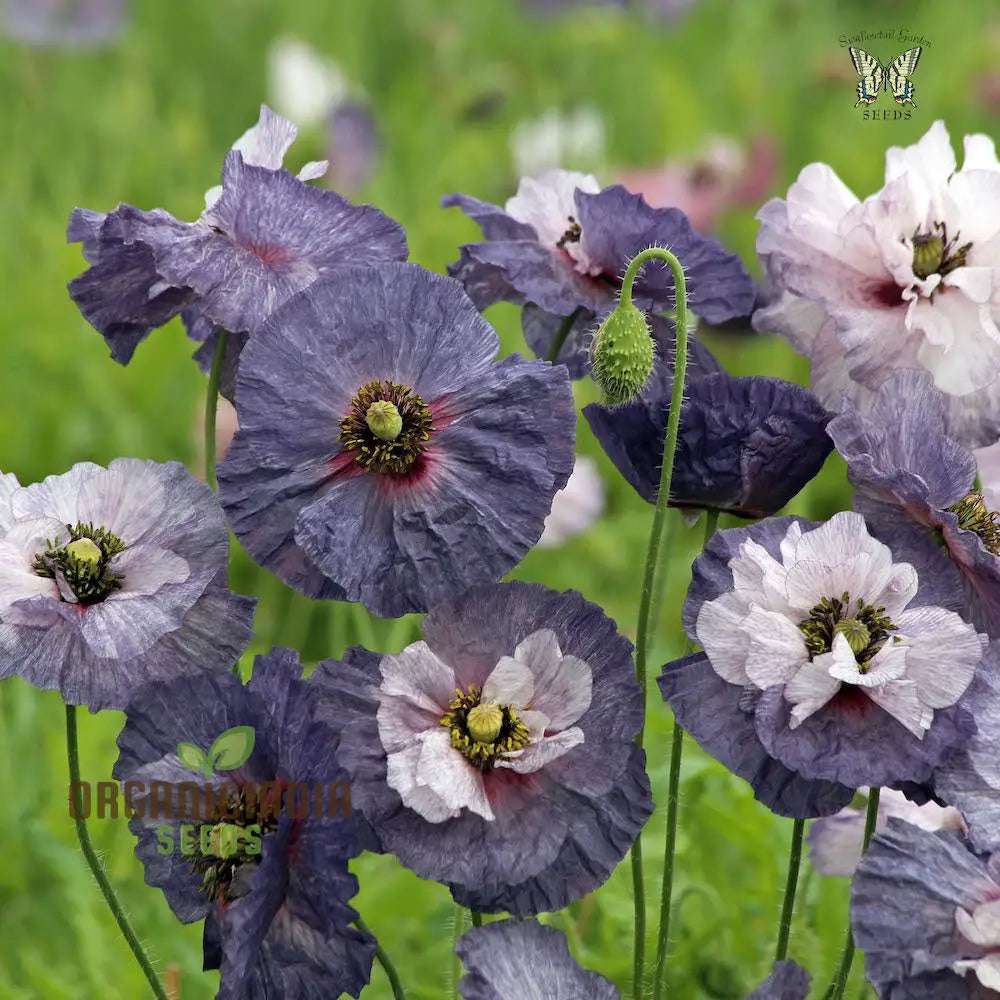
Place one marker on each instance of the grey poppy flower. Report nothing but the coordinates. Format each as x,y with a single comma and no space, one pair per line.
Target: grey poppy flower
970,778
382,455
262,237
925,911
746,445
524,958
497,755
915,487
788,982
562,244
823,663
271,884
113,577
836,842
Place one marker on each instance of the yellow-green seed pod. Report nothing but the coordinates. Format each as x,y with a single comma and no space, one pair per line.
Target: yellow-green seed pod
85,550
856,633
928,253
622,354
484,723
383,420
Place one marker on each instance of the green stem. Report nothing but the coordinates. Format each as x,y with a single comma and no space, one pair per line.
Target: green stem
211,405
477,919
457,931
835,991
383,959
669,853
561,334
791,883
73,756
642,636
639,919
670,835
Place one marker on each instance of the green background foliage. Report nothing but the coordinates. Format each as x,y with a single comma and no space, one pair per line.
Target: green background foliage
148,121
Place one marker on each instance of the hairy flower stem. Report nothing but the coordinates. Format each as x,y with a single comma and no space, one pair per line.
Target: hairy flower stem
73,756
836,989
561,334
211,405
383,959
670,835
642,634
791,883
456,967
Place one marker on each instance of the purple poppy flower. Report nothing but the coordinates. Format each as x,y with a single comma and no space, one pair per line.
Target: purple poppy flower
825,667
524,958
745,446
910,474
562,244
925,910
382,455
788,982
113,577
497,755
258,847
262,237
63,23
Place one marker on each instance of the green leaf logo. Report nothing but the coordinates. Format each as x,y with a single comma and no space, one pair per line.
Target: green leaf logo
191,756
229,750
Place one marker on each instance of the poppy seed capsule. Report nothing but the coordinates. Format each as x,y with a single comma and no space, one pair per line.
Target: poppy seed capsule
384,420
85,550
622,354
484,723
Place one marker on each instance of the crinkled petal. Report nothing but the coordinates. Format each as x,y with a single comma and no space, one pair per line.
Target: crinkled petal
710,709
509,958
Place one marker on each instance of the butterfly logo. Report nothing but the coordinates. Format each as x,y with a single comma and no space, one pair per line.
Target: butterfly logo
876,77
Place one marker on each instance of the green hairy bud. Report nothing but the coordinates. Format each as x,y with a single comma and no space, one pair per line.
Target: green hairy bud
622,354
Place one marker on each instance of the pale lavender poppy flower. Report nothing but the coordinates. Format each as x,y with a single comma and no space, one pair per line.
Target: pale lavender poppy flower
110,578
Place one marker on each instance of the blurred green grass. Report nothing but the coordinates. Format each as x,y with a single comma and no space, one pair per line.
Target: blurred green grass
148,121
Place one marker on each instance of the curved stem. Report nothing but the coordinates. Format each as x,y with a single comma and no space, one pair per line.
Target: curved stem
73,757
836,989
386,963
669,451
561,334
477,919
642,636
670,835
791,883
211,405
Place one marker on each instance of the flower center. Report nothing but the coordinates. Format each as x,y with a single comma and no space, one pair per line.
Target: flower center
934,253
483,732
974,515
227,848
387,428
865,627
82,563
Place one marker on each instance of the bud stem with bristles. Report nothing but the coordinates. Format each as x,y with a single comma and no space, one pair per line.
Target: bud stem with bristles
645,604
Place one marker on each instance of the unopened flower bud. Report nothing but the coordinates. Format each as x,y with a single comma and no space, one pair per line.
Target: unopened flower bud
484,723
622,354
383,420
